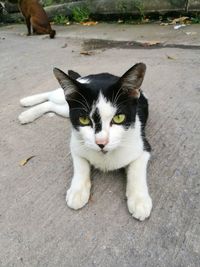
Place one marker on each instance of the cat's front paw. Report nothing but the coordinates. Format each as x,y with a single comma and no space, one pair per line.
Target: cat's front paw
76,199
140,207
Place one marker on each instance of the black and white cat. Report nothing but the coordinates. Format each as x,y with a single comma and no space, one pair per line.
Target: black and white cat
108,116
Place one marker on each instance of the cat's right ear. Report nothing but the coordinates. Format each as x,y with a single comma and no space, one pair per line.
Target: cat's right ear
67,83
74,75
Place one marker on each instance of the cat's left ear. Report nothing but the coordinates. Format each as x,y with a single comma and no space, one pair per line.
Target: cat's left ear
132,80
67,83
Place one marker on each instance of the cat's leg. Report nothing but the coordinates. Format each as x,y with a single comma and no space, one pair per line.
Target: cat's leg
79,191
138,199
34,99
56,96
37,111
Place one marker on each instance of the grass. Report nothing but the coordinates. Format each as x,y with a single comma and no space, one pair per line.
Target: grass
196,19
80,14
61,19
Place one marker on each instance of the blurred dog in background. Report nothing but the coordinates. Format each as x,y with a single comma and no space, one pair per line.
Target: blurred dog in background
36,17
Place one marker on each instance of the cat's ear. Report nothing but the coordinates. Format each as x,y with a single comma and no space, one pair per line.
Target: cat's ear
132,80
74,75
67,83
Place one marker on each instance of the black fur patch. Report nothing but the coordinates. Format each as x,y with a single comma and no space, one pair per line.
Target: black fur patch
97,121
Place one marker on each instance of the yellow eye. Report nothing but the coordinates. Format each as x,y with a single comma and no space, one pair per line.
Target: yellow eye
119,118
84,120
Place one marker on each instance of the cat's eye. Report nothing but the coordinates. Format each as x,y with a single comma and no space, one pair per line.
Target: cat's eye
118,119
84,120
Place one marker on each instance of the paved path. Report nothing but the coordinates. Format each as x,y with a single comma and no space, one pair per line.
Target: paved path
36,226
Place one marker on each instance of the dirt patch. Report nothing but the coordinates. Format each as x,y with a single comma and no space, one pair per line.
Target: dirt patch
94,44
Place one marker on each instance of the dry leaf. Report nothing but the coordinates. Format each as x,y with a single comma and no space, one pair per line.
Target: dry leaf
179,20
25,161
86,53
164,24
151,43
89,23
64,46
169,57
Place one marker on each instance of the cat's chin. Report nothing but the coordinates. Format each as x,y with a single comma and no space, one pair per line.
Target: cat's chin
104,151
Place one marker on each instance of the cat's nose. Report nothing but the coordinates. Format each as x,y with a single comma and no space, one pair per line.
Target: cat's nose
101,142
101,146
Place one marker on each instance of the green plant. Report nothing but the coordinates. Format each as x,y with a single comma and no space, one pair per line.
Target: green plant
140,6
80,14
122,6
196,19
48,2
61,19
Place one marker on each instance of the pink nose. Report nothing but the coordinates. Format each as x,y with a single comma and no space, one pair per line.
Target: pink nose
101,142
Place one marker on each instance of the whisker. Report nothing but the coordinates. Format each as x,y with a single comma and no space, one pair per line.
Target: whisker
75,100
84,99
117,95
80,109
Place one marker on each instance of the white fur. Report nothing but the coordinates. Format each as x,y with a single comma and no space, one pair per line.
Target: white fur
83,80
124,149
53,101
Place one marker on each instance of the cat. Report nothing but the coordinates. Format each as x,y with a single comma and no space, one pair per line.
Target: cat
108,116
36,16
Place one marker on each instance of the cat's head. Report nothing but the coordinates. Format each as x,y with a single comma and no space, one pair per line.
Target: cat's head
103,107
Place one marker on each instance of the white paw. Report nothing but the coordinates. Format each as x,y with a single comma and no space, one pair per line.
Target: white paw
140,207
25,117
76,199
26,101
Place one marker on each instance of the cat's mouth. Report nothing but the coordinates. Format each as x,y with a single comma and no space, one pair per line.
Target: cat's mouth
104,151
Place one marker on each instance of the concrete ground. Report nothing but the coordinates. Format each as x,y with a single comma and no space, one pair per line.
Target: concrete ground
36,226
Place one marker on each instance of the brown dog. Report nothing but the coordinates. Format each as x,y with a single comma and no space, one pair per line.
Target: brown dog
36,17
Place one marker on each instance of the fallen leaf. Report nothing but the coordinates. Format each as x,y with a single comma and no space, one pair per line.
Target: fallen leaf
86,53
25,161
169,57
64,46
89,23
179,20
164,24
151,43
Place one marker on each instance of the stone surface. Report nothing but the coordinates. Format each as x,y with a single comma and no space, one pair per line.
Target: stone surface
37,227
194,5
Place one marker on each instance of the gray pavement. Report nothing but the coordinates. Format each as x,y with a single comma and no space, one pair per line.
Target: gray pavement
36,226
